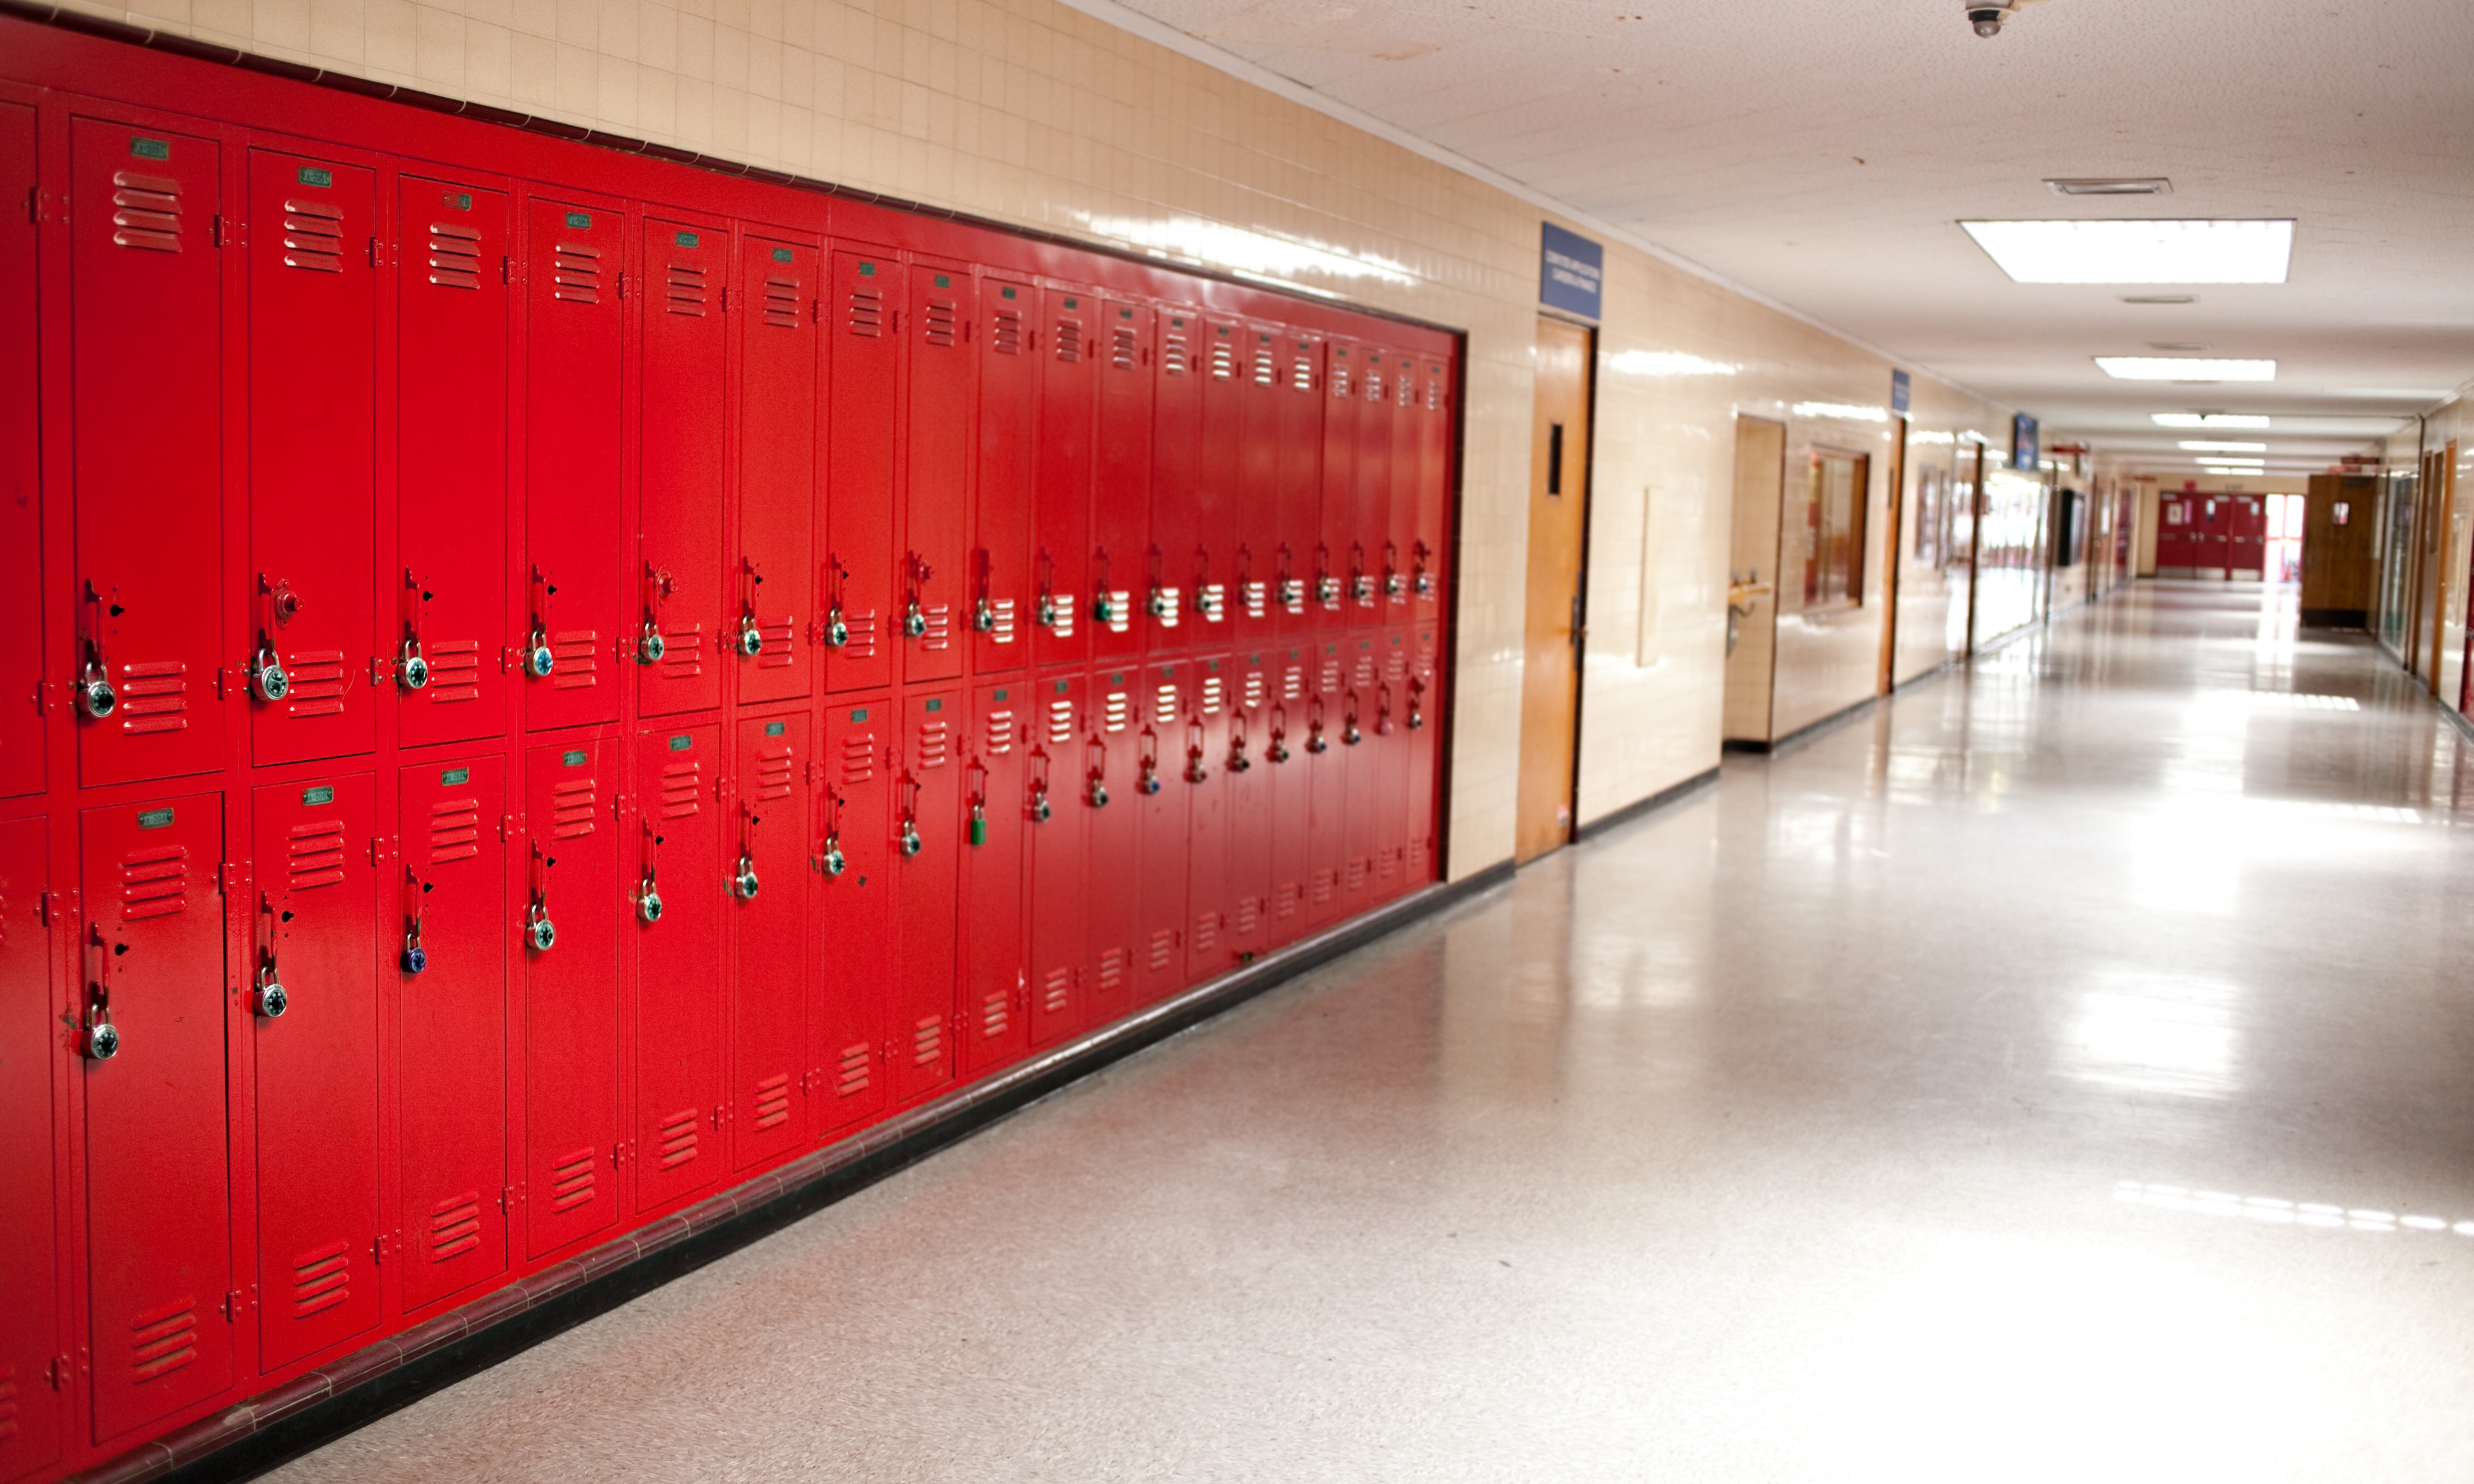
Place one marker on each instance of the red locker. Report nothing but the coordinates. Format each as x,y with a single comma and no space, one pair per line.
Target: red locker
450,594
1162,805
1001,502
1254,524
1295,428
312,502
1429,553
926,876
1326,756
313,998
865,308
568,941
30,1326
1122,584
1408,472
1370,467
676,941
995,1026
1337,555
1058,794
770,905
772,597
1424,718
21,515
1363,828
573,440
1249,805
151,994
1060,576
1389,740
1119,758
679,635
1219,515
937,487
854,923
1204,763
451,1025
1177,463
146,358
1292,790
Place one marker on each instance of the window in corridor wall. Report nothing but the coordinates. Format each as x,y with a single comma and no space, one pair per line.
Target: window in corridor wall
1833,531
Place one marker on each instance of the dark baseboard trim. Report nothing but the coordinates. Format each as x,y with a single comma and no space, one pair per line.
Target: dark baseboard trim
1640,807
1935,672
1803,733
2336,618
247,1440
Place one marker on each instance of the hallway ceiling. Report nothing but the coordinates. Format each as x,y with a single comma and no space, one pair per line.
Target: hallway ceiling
1821,152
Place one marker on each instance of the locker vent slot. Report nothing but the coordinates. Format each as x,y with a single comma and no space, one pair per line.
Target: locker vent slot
1254,693
867,314
1214,694
1164,706
861,644
859,757
926,1041
1293,684
575,275
1122,347
1259,599
939,619
145,211
1120,615
1338,381
996,1014
1356,878
677,1139
153,882
1361,674
935,745
772,1102
1060,721
313,236
1387,865
455,1226
317,855
1267,371
1064,625
856,1071
1249,915
317,682
1002,631
1284,901
1163,948
1395,666
1374,385
686,289
1171,607
1212,598
153,696
455,256
1224,362
999,740
1112,967
1417,856
573,805
780,645
1407,390
1331,677
454,829
1206,931
1301,375
570,1181
321,1280
1055,991
1069,339
1116,711
1005,338
773,773
682,790
1435,393
1173,353
1426,657
164,1340
937,326
455,671
782,304
577,652
682,658
1324,882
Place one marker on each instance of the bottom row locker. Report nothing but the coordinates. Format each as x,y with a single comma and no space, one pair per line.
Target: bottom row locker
1248,806
995,1009
30,1336
1162,804
769,896
1203,764
569,936
1058,790
1122,760
676,896
927,839
851,932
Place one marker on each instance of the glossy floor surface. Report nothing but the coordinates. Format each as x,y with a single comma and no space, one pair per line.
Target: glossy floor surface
2065,1072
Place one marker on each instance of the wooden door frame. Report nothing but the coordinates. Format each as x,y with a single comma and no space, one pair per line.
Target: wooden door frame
1889,677
1588,330
1975,539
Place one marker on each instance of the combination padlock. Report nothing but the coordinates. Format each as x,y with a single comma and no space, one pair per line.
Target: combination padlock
983,617
914,621
541,934
1395,585
1237,761
1417,717
538,661
1315,742
1278,751
102,1043
1102,610
268,999
1292,593
412,666
414,958
1195,771
266,675
742,879
1045,614
1158,603
1039,809
1348,732
751,639
1147,782
978,833
1426,584
831,861
910,839
95,695
837,630
648,900
1098,794
1327,590
650,646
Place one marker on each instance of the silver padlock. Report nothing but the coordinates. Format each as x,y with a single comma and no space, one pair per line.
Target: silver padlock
648,901
1149,781
1098,794
650,646
914,621
837,631
983,617
270,1001
833,862
751,639
538,661
95,695
911,842
266,675
541,934
412,667
103,1042
743,882
1045,614
1039,808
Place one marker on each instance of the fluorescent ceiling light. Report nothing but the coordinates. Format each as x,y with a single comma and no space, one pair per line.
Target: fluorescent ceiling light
2222,463
2138,251
2110,185
2209,446
2184,368
2239,422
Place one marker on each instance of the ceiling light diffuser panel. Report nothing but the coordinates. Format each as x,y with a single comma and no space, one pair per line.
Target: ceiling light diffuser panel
2212,446
2184,368
2231,421
2138,251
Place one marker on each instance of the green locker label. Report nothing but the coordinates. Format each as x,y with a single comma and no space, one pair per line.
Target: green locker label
322,794
1008,293
151,149
579,220
945,282
860,715
936,706
1001,695
1074,303
867,270
451,777
311,175
776,728
780,254
573,759
681,743
458,200
1127,314
686,239
154,819
1062,684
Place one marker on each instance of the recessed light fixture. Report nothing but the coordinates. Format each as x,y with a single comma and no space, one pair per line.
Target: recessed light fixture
2160,298
2232,421
2110,185
2208,445
2218,461
2138,251
2184,368
2177,345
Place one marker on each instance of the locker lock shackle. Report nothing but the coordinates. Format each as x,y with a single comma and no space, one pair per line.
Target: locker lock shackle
648,899
541,934
539,661
266,675
95,696
268,997
1040,811
411,665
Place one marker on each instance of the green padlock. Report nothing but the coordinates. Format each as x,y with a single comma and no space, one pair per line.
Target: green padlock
979,822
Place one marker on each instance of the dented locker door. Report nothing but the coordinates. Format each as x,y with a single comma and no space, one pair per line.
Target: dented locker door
1055,786
1119,756
768,884
1295,424
571,611
451,999
853,931
1291,779
935,577
449,593
150,965
926,876
312,498
1061,577
994,1027
1339,555
146,370
1424,718
675,907
568,939
313,1004
773,597
30,1318
1370,487
1204,763
679,632
21,516
1248,806
1162,804
1362,832
1176,556
1329,763
864,312
1123,579
1000,494
1217,496
1431,548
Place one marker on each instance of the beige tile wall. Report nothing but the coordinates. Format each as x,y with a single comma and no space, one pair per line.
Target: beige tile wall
1028,111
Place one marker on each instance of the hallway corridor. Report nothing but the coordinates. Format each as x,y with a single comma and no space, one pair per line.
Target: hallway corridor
2065,1072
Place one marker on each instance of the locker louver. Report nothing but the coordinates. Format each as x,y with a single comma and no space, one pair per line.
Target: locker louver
1002,631
1356,874
1164,706
1115,712
1060,721
1056,990
1249,915
1267,371
1223,360
455,1226
1407,389
454,255
455,671
1069,338
321,1280
1122,347
1112,967
1259,599
1284,901
153,696
936,744
677,1139
317,855
1173,352
684,657
926,1041
1374,385
682,790
1254,692
454,829
1000,737
1206,932
317,682
685,291
1338,381
1434,393
572,1180
856,1072
1163,951
313,236
937,326
782,304
575,276
571,806
578,653
996,1014
772,1102
1004,336
145,212
867,319
773,774
1293,682
162,1340
1301,375
1324,882
859,757
154,882
1211,695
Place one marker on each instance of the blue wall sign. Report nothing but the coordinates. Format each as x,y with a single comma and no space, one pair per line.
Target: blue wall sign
1571,268
2023,441
1899,393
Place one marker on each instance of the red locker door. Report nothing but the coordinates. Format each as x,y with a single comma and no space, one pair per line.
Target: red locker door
994,1027
21,517
1424,717
1118,754
314,997
1177,456
29,1327
1432,546
1060,578
450,595
1364,824
572,412
1248,806
773,597
1000,577
769,906
146,332
1204,765
1120,503
1371,483
1253,523
1337,548
926,877
569,940
158,1233
854,923
866,375
451,1025
1161,802
1388,740
1227,374
1055,791
676,901
1296,426
1326,758
936,485
679,632
1408,472
312,502
1293,791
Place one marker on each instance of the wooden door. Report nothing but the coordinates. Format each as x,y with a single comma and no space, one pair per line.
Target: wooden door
1559,492
1753,576
1890,549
